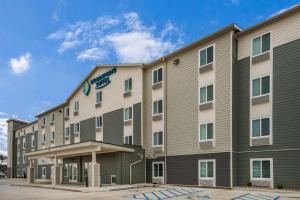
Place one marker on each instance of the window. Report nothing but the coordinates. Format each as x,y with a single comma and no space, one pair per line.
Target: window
76,106
261,127
206,94
206,131
206,169
24,159
206,56
157,107
128,85
53,135
157,76
44,137
32,141
157,139
261,168
128,140
33,128
127,113
44,171
158,169
99,122
261,86
77,128
66,171
53,117
67,112
44,120
67,132
261,44
99,97
18,172
24,143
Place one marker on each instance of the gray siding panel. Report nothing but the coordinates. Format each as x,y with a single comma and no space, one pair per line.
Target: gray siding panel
179,173
137,124
87,130
71,133
48,171
113,127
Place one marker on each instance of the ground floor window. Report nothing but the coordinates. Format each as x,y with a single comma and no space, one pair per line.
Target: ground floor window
43,171
66,171
206,169
18,173
158,169
261,168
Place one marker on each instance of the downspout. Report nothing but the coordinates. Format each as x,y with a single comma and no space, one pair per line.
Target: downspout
165,119
130,169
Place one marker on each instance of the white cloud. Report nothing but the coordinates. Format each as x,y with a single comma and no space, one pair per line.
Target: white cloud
125,36
3,135
21,64
284,9
55,15
92,54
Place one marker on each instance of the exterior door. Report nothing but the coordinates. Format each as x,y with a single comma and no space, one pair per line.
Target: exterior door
73,172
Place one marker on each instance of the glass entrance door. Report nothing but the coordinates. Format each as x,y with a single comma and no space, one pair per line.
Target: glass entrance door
73,172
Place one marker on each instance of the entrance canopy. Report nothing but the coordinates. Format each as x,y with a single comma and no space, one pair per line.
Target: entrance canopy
77,149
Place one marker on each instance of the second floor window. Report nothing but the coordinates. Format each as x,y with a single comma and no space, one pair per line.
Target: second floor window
32,141
156,76
128,140
53,136
157,107
157,139
206,132
24,144
99,122
261,86
99,97
206,94
44,137
44,120
67,132
53,117
76,106
206,56
77,128
127,113
261,44
67,112
128,85
261,127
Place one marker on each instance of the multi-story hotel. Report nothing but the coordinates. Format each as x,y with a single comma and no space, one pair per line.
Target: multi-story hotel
223,111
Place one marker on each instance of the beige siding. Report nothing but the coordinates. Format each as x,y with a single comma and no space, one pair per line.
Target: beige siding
182,101
282,32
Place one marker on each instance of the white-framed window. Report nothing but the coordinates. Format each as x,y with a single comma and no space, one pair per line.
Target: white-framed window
44,172
261,44
157,107
99,122
44,137
261,86
261,169
128,114
128,139
44,120
260,127
53,135
76,106
207,169
67,132
206,131
52,117
157,75
99,97
158,169
24,143
206,56
158,139
32,142
77,128
66,170
33,128
18,173
24,159
67,111
206,94
128,85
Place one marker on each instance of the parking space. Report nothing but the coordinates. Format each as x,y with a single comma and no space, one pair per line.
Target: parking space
256,196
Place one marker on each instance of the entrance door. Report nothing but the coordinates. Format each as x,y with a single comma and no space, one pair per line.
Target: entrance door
73,172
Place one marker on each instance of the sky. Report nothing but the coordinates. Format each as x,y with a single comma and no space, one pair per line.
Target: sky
48,47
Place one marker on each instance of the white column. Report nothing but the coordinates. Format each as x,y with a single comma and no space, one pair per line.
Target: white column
54,171
93,167
30,172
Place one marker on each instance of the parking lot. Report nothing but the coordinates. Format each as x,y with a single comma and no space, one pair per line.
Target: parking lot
9,192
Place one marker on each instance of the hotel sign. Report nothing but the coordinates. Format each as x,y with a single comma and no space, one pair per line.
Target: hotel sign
100,81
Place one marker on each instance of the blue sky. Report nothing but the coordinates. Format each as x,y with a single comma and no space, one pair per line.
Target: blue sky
47,47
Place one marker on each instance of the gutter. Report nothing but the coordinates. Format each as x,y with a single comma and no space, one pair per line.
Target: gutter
130,169
165,119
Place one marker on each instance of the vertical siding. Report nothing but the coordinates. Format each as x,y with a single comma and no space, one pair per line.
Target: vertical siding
182,100
87,130
113,127
137,124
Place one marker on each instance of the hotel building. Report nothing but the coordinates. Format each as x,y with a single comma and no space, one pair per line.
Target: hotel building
223,111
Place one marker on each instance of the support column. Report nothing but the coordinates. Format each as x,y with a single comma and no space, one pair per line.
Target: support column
94,172
30,172
56,172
